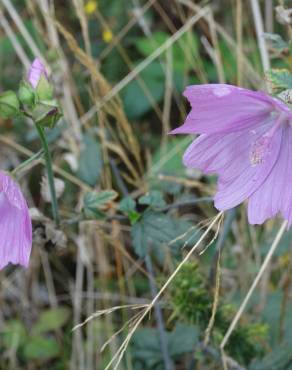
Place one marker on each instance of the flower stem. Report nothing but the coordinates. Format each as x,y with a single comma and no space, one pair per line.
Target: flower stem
49,167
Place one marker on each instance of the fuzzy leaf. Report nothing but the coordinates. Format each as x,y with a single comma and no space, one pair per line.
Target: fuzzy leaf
51,320
41,348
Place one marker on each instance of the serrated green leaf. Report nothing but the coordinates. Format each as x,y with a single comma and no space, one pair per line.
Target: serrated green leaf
41,348
127,205
280,79
96,202
100,199
157,230
276,41
153,199
51,320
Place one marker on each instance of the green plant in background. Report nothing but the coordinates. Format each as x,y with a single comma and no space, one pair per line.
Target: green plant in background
192,299
41,343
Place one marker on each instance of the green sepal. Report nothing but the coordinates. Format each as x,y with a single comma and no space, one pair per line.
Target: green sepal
26,94
44,90
46,113
9,105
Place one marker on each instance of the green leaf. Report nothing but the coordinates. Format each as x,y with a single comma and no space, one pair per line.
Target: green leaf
51,320
157,230
153,79
96,202
183,51
147,45
183,340
9,105
14,334
276,41
99,200
147,347
153,199
168,159
90,161
279,79
128,207
279,359
41,348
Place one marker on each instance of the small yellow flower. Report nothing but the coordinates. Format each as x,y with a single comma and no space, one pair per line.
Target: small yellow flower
90,7
107,35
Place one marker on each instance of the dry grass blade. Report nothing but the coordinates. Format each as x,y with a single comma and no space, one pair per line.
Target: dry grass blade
119,354
115,109
107,312
124,82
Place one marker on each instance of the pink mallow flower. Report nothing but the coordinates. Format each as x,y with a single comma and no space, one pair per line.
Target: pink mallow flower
15,224
36,70
246,139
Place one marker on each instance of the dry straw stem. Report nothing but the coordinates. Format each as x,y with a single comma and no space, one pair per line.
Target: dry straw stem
22,29
120,353
107,312
14,41
256,11
126,80
215,302
253,77
137,15
252,288
115,109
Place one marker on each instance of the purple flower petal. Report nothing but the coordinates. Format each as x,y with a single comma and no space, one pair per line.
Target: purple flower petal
220,107
37,69
275,194
15,224
246,139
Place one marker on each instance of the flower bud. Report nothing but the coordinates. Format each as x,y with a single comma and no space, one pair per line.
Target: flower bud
46,113
9,105
37,69
38,79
